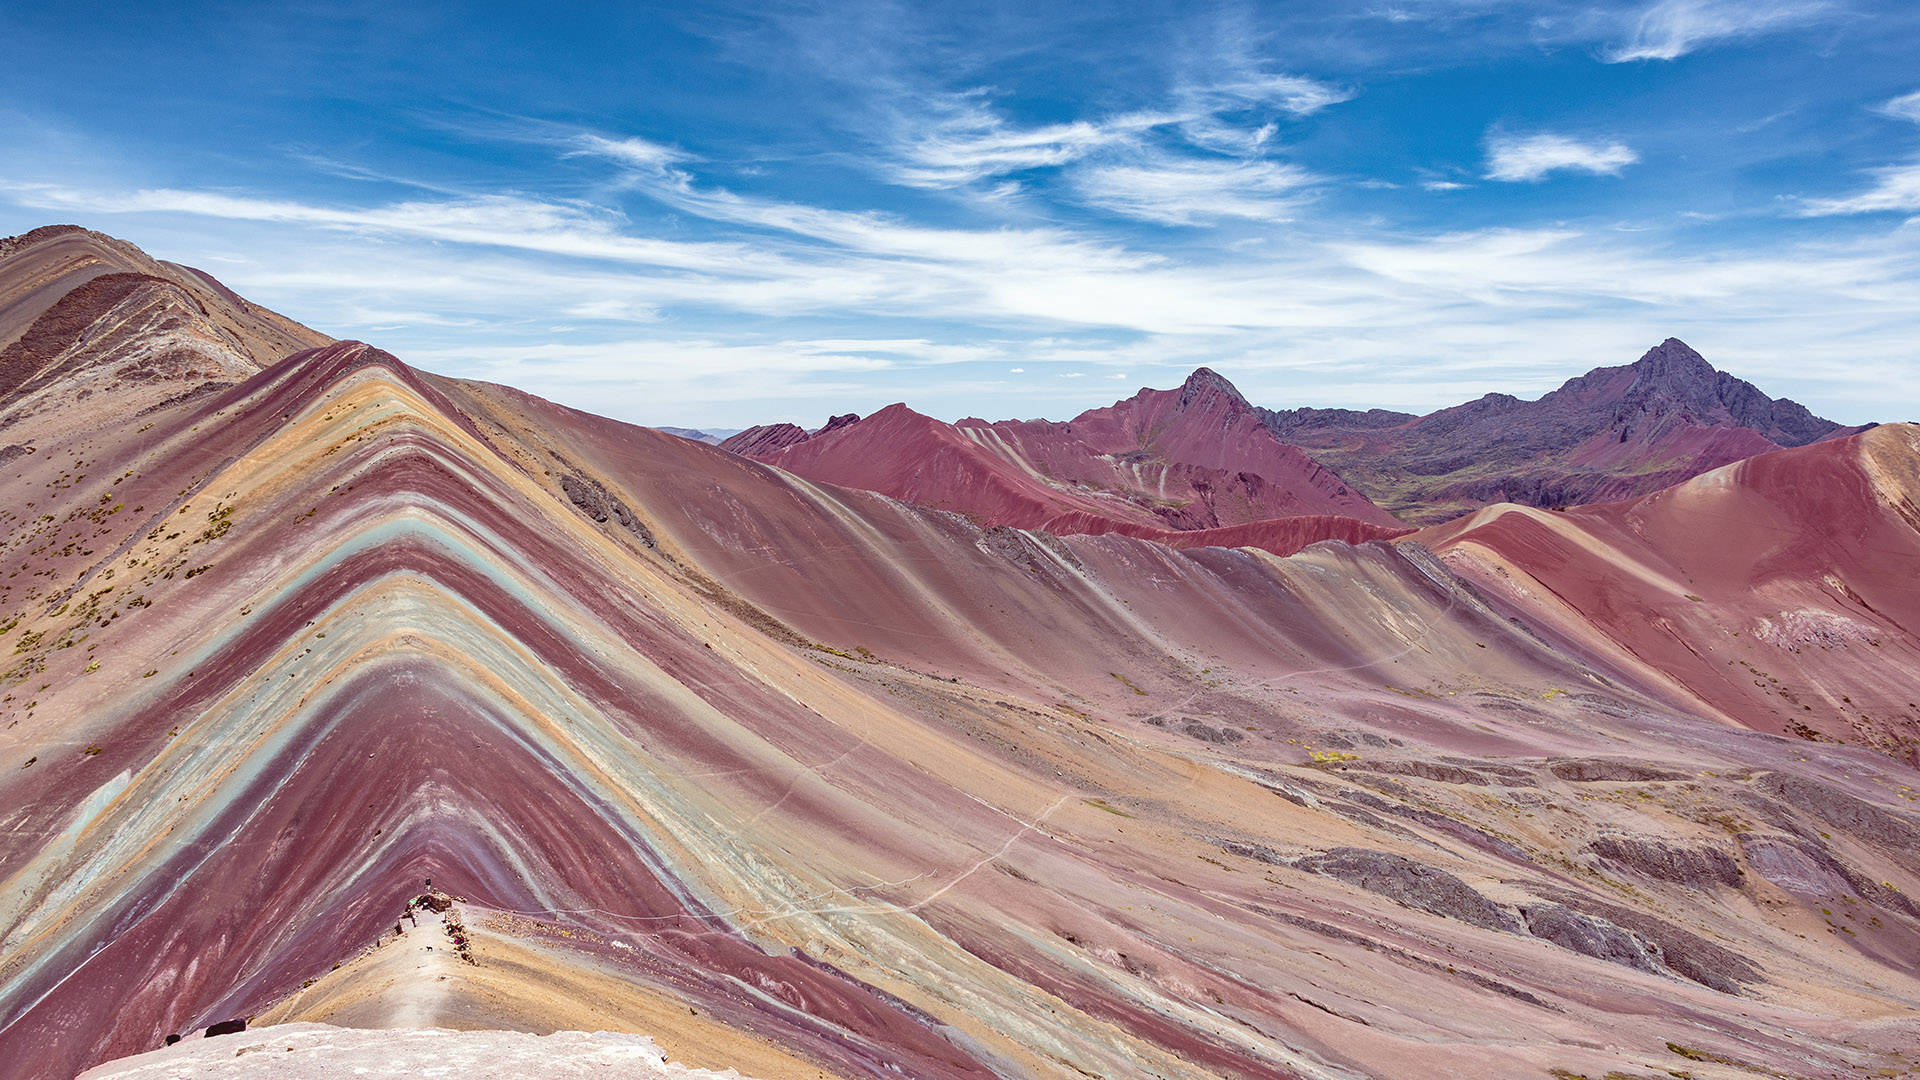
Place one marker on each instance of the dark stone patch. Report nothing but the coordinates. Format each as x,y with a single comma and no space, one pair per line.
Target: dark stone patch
1803,866
1454,771
1427,770
1897,833
1207,733
1698,867
1597,770
226,1027
602,505
1591,936
1686,953
1256,852
1414,884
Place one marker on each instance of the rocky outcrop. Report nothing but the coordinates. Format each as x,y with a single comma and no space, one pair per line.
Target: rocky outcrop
602,505
1699,867
1686,953
1898,834
1591,936
1414,884
764,439
1600,770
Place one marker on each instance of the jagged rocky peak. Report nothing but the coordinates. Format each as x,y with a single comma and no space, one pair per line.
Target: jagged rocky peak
764,438
1673,373
835,423
1207,383
1675,360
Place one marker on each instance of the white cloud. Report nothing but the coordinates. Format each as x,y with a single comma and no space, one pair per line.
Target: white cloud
967,142
507,221
1894,187
1671,29
1532,157
1904,107
958,140
631,151
1295,94
1192,191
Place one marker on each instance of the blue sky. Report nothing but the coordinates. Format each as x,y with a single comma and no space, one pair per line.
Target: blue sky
724,214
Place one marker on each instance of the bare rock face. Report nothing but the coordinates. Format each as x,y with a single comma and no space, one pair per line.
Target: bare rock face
1684,952
1414,884
1784,863
602,505
1898,834
1600,770
1591,936
1804,867
1699,867
764,439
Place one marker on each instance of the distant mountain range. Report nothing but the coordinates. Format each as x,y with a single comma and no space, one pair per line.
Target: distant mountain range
1201,457
1613,433
1163,461
711,438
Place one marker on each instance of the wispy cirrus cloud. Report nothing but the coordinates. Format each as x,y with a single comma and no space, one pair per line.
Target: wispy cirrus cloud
1893,188
576,230
964,141
630,150
1904,107
1670,29
1251,86
1527,158
1194,191
960,139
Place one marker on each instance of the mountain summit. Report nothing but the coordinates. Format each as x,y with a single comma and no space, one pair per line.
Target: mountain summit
1673,382
1162,463
1613,433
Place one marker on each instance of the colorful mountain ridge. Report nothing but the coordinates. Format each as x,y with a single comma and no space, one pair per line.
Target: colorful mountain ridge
343,697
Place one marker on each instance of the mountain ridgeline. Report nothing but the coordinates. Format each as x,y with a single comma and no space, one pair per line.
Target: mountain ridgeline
1201,456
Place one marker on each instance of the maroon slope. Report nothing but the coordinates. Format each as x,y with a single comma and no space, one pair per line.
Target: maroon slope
1163,461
